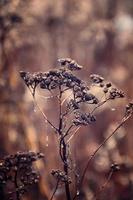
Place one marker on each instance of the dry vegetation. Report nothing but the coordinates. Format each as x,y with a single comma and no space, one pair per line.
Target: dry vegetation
98,35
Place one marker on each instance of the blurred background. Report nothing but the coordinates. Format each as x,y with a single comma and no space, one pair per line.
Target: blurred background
98,34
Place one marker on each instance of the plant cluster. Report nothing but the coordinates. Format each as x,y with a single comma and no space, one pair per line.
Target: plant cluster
62,80
17,170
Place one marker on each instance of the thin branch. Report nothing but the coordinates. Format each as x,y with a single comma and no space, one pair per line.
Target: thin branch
60,112
71,137
63,146
16,185
99,105
61,140
56,187
103,186
101,145
66,98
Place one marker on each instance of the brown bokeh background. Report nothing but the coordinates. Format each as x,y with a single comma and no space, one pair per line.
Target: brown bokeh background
98,35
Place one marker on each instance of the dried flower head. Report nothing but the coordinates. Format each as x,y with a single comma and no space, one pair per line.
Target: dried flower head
18,169
96,78
115,93
70,64
115,167
129,109
61,176
83,119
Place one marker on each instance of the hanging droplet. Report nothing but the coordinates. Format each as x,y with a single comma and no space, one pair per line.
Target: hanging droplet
47,141
35,109
77,192
74,164
113,109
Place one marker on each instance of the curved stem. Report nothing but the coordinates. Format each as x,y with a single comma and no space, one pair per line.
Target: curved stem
61,140
56,187
102,144
99,105
71,137
103,186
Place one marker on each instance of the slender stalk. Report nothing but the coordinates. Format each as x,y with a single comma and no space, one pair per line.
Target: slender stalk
102,144
16,185
60,112
63,138
74,133
66,169
56,187
103,186
123,121
99,105
63,146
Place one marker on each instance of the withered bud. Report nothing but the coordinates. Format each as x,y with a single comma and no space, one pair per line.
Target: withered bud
96,78
115,167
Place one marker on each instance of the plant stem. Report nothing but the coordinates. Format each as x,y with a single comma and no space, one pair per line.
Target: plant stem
63,146
123,121
66,169
16,185
100,146
97,195
56,187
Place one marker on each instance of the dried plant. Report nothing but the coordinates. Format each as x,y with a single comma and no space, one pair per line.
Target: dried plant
62,80
17,173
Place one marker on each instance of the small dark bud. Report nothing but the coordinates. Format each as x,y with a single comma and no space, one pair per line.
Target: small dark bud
108,85
96,78
105,90
115,167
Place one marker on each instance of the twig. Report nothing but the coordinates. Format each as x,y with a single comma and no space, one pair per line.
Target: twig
103,186
63,145
71,137
56,187
66,98
16,185
99,105
106,139
61,140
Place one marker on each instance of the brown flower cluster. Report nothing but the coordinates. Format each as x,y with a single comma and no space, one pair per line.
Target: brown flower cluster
83,119
72,65
129,109
61,176
112,92
18,169
64,78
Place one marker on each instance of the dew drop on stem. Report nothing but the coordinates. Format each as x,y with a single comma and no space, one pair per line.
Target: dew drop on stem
113,109
77,193
47,141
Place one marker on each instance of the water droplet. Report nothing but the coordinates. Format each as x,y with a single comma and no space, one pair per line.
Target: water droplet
113,109
47,141
74,165
35,109
77,193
